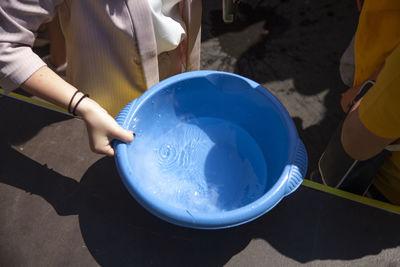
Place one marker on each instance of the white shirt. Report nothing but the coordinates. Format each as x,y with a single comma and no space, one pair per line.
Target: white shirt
168,25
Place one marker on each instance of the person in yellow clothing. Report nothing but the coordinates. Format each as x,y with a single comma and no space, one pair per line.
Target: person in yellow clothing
377,50
373,122
379,112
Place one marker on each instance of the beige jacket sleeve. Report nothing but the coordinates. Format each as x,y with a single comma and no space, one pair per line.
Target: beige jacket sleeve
19,21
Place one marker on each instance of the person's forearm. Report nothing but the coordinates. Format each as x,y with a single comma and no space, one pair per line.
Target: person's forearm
47,85
102,128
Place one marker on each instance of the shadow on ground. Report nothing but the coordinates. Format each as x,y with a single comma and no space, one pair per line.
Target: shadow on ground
306,226
119,232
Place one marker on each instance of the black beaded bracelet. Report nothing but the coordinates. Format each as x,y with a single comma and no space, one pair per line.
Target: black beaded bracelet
70,102
77,103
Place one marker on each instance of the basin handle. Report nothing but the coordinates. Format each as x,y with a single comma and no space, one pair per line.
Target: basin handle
298,169
121,119
124,113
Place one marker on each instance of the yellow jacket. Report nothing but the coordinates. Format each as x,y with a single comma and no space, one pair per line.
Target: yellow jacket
377,44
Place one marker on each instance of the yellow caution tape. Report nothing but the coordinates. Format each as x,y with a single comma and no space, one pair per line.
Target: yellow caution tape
34,101
354,197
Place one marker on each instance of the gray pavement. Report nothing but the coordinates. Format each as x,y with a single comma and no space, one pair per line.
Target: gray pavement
62,205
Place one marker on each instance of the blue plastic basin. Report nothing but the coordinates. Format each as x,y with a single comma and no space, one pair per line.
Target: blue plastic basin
212,150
